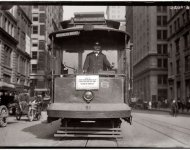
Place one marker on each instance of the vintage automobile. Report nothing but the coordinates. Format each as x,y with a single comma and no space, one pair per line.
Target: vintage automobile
141,104
92,102
45,93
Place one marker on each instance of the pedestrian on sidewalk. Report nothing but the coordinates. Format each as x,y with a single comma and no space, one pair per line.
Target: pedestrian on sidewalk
150,105
174,108
188,104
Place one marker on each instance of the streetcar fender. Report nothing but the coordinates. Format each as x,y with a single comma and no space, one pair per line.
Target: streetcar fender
128,119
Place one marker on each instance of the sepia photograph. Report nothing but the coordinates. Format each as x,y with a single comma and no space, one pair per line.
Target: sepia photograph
95,74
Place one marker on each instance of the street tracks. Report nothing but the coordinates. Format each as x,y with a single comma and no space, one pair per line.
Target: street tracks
171,130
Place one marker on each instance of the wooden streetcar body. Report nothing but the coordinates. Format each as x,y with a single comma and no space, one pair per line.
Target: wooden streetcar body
90,102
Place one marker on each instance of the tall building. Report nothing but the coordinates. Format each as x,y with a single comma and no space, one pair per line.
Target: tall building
129,29
15,26
179,53
150,52
45,19
117,13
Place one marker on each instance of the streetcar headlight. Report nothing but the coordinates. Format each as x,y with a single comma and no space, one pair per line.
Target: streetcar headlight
88,96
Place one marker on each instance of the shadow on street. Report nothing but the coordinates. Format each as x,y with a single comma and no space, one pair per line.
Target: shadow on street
44,130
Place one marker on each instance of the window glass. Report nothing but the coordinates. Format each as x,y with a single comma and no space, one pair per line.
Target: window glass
35,29
164,34
159,37
34,55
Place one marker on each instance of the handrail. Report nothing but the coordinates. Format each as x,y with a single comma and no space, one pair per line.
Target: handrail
101,74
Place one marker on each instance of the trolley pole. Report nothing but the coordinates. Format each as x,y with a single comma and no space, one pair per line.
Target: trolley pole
52,72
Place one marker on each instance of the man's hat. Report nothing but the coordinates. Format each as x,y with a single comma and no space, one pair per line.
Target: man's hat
97,43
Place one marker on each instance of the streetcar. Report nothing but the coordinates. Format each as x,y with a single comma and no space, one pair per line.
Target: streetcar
90,104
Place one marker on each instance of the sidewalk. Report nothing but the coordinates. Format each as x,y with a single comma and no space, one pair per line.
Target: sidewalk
168,110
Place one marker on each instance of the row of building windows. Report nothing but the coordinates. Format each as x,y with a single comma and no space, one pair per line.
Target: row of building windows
40,45
161,34
162,63
7,55
161,20
162,79
35,29
179,22
21,65
7,25
186,42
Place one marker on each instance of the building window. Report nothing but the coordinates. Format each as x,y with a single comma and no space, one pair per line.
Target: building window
187,63
34,45
159,21
35,18
42,18
35,30
162,79
165,49
159,63
42,29
164,8
159,79
165,63
171,69
164,34
159,35
171,50
41,44
7,55
177,45
186,39
7,78
164,20
34,68
33,83
170,30
177,66
183,16
158,8
175,26
162,63
34,55
178,23
36,7
162,48
41,8
187,14
159,49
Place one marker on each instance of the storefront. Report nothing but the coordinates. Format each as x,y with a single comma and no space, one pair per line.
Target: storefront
6,87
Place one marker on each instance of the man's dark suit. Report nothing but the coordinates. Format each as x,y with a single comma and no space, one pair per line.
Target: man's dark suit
95,63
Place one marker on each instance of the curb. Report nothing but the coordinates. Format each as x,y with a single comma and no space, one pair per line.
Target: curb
168,110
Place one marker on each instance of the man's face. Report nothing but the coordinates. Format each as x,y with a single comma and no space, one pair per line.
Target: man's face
97,48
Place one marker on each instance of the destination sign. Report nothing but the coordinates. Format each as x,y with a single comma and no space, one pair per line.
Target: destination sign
67,34
87,82
90,19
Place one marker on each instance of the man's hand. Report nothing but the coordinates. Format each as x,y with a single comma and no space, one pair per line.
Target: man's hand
112,65
84,71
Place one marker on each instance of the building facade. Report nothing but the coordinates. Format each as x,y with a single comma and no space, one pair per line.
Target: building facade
179,53
117,13
15,34
45,20
150,52
129,29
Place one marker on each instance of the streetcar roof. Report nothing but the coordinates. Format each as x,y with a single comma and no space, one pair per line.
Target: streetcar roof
79,38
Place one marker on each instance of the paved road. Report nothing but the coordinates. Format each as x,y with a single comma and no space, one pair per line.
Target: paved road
149,129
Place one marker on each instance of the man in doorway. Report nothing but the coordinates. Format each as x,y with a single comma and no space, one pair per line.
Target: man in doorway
96,61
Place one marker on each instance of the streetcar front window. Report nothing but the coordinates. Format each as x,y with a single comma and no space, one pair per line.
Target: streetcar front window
75,61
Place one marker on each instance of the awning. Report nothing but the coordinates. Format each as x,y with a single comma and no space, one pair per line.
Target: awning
6,86
41,90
